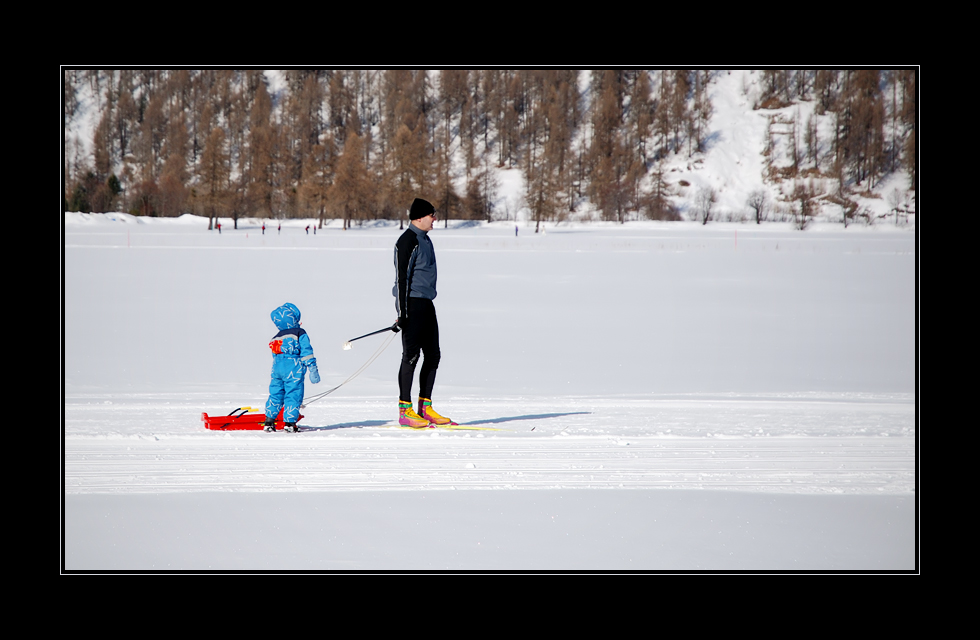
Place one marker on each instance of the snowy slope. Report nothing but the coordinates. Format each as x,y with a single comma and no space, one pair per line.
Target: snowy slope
733,163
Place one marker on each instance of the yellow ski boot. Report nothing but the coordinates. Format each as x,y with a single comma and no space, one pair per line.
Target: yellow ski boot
427,412
408,418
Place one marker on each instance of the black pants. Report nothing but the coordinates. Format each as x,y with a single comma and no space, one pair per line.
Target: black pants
420,336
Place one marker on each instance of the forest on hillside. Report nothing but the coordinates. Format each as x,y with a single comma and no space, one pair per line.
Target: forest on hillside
360,144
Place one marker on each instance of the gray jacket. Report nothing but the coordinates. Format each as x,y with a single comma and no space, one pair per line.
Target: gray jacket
415,269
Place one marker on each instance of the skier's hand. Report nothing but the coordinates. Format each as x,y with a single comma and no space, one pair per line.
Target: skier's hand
399,322
314,374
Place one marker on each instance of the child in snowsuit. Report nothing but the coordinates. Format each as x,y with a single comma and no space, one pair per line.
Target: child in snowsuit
292,357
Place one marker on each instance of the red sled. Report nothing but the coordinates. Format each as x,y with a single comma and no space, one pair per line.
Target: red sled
244,421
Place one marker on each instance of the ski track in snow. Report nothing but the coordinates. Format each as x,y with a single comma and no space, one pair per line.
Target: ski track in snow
705,308
853,445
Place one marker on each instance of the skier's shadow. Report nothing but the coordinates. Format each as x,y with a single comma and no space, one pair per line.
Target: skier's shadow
381,423
533,416
349,425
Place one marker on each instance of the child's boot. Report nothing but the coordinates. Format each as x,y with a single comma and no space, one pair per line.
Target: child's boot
269,424
290,427
408,418
427,412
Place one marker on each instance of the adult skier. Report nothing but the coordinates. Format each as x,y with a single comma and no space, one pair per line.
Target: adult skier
414,291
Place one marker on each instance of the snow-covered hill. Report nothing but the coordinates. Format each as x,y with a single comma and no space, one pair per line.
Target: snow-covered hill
734,165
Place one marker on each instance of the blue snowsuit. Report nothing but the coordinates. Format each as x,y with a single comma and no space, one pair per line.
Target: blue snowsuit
292,355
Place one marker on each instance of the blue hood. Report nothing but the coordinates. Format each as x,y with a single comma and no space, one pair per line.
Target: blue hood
286,316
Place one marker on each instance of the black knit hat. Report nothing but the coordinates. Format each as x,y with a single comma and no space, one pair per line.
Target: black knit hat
420,209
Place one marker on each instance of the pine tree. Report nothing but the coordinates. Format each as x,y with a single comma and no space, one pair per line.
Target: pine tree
679,113
102,144
260,170
173,191
214,175
126,112
825,88
407,172
909,120
350,195
662,113
610,187
446,200
306,156
864,142
317,178
702,108
560,121
492,108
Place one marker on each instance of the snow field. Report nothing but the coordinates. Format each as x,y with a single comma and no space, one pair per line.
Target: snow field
670,363
543,530
731,444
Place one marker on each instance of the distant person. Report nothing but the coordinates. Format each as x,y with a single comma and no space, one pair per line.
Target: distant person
292,357
219,228
414,291
280,228
515,230
307,229
263,227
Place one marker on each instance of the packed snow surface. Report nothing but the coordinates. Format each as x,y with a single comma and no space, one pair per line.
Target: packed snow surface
647,396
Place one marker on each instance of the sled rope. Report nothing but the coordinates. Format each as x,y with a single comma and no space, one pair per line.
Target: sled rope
364,366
